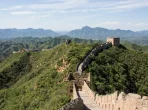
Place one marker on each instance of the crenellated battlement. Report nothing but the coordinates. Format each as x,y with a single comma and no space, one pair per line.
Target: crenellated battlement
118,101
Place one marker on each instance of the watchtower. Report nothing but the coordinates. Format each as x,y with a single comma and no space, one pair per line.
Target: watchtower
68,42
114,41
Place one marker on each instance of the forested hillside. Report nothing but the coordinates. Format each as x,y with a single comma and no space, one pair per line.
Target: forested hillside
134,46
36,80
31,43
143,40
120,69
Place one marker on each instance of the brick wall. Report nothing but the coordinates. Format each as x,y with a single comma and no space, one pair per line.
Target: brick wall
118,101
86,61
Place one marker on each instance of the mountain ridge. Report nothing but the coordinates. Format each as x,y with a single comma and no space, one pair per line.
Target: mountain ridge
13,33
86,32
101,33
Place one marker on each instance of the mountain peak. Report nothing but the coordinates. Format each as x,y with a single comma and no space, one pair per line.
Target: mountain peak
86,27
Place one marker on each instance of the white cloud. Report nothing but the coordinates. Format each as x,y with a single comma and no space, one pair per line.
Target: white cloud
141,24
83,5
130,4
63,4
110,23
23,13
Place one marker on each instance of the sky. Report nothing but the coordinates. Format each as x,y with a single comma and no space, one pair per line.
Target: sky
66,15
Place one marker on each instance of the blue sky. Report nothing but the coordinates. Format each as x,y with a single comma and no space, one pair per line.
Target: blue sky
64,15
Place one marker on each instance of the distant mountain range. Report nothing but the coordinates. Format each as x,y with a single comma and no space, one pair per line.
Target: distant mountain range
145,32
138,37
85,33
13,33
101,33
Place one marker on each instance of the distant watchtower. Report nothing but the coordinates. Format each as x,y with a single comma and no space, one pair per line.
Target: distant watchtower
68,42
114,41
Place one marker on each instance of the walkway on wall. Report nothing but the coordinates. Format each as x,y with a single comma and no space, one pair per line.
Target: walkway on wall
87,60
89,103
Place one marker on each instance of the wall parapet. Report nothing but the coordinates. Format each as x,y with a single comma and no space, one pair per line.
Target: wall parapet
82,65
76,103
75,93
116,101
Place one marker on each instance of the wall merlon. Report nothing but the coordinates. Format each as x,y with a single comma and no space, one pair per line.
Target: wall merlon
121,96
131,95
119,101
145,97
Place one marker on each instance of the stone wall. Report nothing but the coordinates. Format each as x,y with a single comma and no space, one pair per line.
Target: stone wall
87,60
83,59
75,93
118,101
76,103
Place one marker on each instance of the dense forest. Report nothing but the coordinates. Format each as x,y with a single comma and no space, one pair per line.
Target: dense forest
119,69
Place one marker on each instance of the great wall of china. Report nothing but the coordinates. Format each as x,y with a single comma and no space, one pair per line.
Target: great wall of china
83,65
86,99
118,101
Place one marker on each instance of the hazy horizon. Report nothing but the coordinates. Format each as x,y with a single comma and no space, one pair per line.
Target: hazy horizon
65,31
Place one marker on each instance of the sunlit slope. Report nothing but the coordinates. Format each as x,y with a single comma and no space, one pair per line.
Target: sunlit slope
134,46
42,86
7,62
